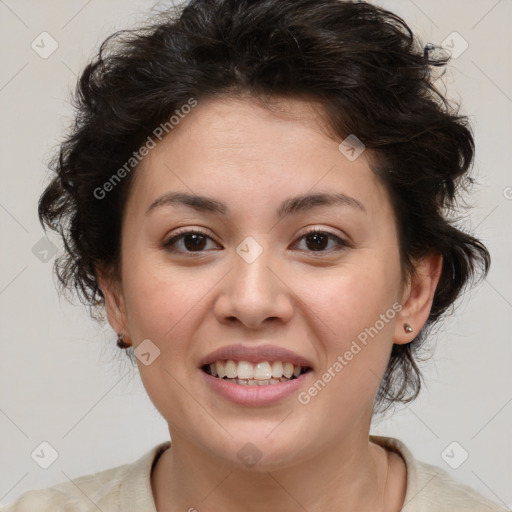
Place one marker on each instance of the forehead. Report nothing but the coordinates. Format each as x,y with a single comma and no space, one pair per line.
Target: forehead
239,150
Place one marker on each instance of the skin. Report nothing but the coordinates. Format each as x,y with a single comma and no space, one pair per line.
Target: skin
316,456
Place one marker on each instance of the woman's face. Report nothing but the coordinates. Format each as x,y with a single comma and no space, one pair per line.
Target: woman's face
254,278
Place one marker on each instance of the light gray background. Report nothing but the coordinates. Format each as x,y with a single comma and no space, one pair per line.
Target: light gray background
59,379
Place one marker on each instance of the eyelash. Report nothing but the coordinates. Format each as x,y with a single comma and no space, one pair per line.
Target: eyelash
168,245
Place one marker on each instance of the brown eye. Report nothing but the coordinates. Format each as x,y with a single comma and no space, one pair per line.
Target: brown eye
318,241
187,241
194,242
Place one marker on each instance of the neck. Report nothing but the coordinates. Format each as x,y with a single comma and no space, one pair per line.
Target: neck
349,476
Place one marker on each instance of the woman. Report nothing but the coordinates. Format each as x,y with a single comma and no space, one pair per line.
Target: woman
257,195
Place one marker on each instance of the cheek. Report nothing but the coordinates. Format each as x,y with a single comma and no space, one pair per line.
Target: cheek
161,300
352,320
160,307
352,296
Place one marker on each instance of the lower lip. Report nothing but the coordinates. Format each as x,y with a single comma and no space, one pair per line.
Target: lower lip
255,395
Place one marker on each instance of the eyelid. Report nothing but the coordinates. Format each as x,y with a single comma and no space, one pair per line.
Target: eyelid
188,229
320,229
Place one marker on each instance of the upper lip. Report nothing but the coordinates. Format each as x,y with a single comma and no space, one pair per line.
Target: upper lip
255,354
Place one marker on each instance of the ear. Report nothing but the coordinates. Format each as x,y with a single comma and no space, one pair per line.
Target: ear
114,300
417,297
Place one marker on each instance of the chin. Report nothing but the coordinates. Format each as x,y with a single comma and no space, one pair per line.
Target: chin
255,450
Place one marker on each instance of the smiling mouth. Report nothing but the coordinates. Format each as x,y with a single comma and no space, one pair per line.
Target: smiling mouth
263,373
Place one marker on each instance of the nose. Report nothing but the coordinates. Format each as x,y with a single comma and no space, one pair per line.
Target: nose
254,294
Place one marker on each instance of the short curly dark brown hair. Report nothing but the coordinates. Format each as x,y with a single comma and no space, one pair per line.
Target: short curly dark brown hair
362,63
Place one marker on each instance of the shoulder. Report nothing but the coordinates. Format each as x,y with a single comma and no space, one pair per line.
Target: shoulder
123,487
82,494
431,488
440,489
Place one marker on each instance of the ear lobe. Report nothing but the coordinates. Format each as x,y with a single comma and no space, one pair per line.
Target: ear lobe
417,297
114,300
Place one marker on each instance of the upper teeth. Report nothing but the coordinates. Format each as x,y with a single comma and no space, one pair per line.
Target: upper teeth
263,370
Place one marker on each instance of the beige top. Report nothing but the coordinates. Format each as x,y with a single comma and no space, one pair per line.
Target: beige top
127,488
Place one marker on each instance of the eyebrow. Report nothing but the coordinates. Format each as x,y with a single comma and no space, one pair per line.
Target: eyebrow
288,207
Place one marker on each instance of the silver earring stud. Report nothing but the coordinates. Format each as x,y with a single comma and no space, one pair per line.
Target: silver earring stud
407,328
